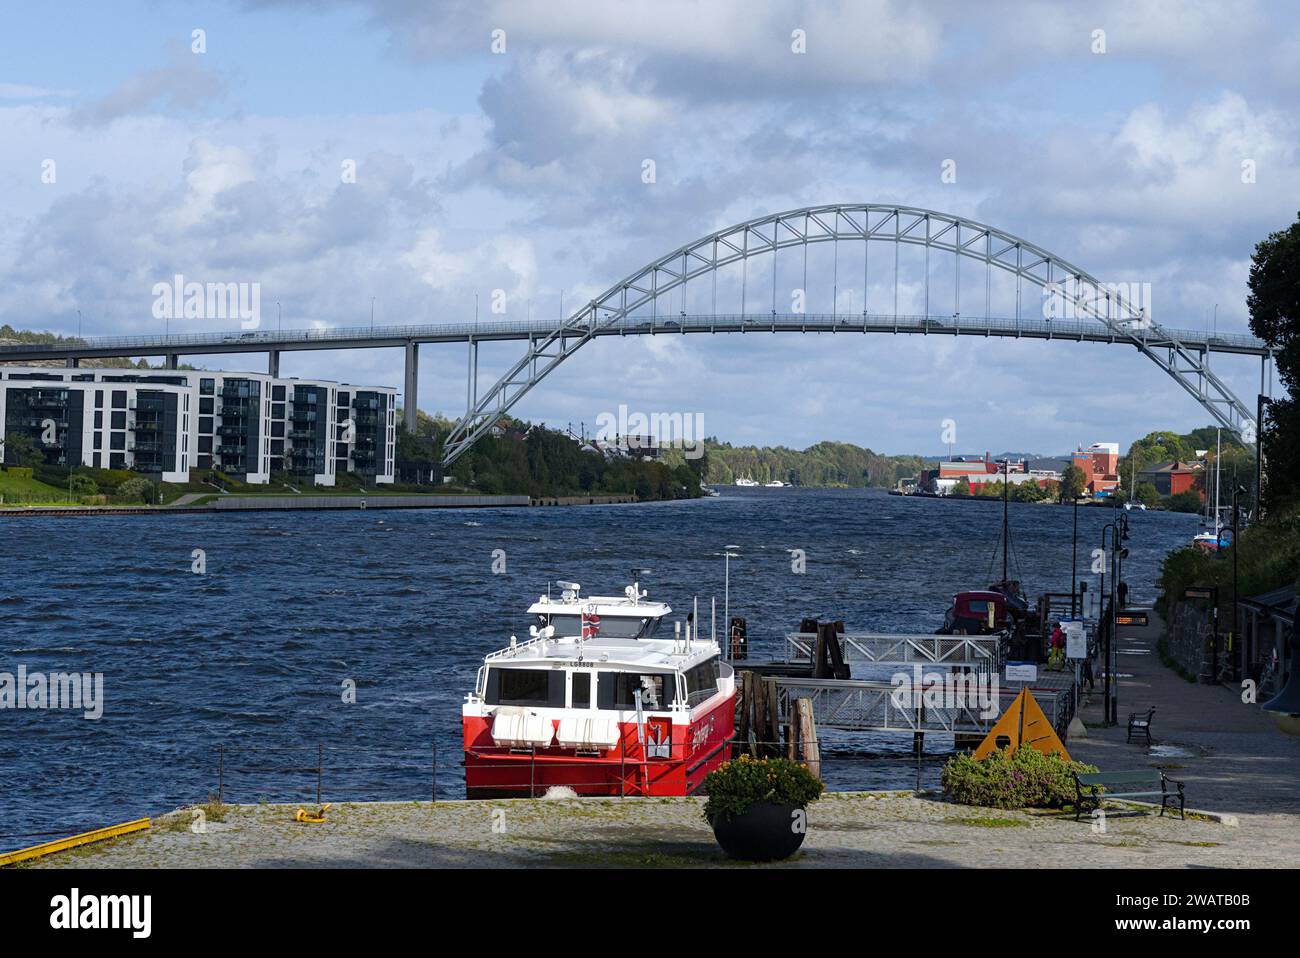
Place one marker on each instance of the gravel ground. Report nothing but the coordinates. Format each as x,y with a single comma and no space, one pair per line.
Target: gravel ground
889,830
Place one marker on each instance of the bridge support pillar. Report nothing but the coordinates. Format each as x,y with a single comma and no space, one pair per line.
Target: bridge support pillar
411,387
273,363
72,362
172,361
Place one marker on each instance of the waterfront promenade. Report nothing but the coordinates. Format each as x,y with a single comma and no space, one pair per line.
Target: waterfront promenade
861,830
1230,754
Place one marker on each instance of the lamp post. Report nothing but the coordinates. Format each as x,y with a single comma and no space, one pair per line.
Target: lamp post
727,556
1106,633
1245,657
1074,560
1118,538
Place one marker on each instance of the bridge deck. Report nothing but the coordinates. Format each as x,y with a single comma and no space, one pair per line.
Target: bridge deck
206,343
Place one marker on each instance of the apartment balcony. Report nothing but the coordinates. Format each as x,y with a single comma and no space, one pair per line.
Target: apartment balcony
298,435
40,423
47,401
237,451
303,415
235,430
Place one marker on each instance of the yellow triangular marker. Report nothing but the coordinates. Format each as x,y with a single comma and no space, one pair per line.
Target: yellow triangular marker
1023,723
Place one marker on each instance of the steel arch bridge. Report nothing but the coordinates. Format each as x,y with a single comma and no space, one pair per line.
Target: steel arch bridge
1117,318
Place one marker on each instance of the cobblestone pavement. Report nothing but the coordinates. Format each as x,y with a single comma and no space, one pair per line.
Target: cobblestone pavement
1229,753
889,830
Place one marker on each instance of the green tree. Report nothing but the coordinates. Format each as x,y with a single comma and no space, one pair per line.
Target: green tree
1274,304
1184,502
20,450
1073,482
1028,491
1147,494
962,488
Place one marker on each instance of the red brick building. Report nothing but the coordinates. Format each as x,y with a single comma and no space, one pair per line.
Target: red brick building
1100,466
1171,478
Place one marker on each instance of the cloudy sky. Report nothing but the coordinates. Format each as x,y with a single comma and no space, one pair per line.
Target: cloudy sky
133,148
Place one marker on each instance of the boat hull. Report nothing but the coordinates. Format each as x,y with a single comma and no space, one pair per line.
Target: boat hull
697,748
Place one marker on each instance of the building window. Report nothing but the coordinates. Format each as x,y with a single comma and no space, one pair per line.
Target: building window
205,424
117,440
119,420
207,386
119,398
207,406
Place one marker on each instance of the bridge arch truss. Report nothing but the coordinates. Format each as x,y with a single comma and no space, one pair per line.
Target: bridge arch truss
870,224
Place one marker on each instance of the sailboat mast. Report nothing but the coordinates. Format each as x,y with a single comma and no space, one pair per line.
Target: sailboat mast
1218,454
1006,527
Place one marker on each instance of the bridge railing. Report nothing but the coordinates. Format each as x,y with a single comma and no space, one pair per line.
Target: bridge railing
1036,327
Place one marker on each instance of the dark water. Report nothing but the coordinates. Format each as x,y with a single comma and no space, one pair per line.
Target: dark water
252,654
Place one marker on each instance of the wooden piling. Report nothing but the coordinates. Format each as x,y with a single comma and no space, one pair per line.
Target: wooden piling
773,716
807,726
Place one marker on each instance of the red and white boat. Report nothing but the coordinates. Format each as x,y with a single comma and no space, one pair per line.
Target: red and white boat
602,699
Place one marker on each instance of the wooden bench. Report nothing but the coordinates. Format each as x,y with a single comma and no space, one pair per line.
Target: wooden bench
1095,787
1138,722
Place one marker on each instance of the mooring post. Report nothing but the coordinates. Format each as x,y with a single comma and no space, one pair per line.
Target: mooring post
320,768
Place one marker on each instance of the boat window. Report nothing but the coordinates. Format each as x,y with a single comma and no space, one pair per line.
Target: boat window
581,690
525,687
611,626
615,689
701,681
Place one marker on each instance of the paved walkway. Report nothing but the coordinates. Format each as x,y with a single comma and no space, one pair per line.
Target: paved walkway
855,830
1230,754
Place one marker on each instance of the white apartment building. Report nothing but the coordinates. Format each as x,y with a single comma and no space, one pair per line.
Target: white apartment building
167,422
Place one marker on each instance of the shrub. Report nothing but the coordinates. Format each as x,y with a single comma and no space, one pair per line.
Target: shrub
1024,779
138,489
738,784
83,485
20,472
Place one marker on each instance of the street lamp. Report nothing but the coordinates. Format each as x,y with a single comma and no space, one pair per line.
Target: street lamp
727,556
1232,633
1119,532
1074,561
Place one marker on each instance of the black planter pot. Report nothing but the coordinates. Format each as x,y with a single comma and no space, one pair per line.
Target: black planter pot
764,832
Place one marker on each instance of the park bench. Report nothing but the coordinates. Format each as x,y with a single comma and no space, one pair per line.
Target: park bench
1095,787
1139,722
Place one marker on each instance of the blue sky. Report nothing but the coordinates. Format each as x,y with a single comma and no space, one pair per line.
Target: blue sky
521,172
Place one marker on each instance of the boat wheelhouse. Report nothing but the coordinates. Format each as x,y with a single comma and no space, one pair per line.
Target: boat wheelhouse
599,701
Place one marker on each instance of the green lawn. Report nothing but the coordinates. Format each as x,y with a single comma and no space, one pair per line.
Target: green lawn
17,490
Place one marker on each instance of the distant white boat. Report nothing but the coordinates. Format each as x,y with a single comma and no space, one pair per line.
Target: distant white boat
745,482
775,484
